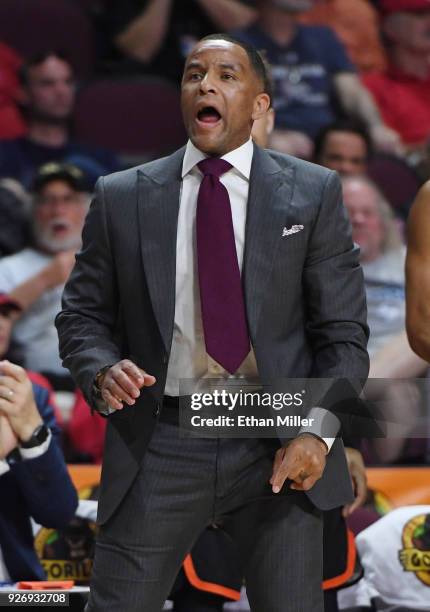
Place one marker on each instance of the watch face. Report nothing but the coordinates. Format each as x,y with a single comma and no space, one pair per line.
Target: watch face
39,436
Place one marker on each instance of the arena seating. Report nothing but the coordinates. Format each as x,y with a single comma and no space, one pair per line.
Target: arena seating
36,26
140,113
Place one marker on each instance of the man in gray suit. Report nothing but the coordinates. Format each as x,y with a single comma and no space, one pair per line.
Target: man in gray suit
221,259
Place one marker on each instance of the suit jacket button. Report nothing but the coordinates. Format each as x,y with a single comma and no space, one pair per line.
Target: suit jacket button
157,409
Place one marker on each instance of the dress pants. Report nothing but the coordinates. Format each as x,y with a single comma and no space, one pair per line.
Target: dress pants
186,483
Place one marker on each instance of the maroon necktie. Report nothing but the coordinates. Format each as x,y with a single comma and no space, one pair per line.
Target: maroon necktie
223,308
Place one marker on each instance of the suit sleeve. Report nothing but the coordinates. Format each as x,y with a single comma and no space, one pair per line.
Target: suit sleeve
336,306
90,302
334,292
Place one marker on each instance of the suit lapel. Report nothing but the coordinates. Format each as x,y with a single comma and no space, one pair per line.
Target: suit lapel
158,206
270,193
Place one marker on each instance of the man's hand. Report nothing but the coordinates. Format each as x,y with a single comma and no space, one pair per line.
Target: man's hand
357,471
302,461
17,401
8,440
122,383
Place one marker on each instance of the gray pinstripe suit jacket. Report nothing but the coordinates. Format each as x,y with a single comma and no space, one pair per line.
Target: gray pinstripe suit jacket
304,296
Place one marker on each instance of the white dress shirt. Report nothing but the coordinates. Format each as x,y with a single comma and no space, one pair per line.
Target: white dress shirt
188,358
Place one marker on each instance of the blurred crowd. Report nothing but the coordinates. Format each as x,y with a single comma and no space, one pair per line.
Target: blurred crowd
351,91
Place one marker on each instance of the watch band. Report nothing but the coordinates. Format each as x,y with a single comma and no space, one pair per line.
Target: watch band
100,375
96,383
38,437
13,457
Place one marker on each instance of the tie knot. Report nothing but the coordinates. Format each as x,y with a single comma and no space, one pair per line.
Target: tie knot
214,166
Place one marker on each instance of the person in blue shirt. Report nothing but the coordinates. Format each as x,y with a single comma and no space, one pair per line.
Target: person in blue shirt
48,99
313,78
34,481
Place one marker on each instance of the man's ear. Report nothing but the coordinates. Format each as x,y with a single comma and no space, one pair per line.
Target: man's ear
261,106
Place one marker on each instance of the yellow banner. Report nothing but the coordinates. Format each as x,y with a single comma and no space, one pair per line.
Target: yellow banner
414,560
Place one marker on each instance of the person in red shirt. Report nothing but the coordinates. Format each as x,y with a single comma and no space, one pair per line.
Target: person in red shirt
356,23
402,91
12,123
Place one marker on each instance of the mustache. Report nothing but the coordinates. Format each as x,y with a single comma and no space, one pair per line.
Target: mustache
44,236
56,224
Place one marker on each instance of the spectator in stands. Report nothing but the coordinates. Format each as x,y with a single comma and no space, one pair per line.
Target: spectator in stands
344,146
308,63
356,22
11,121
14,218
157,35
35,276
8,308
375,230
402,91
48,97
34,481
418,274
11,351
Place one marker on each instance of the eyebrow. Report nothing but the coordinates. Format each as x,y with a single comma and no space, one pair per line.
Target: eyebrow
234,67
225,66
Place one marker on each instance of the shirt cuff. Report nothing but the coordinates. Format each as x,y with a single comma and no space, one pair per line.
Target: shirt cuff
36,451
323,422
329,442
4,467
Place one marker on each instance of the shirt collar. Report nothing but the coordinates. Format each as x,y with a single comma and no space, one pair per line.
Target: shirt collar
240,158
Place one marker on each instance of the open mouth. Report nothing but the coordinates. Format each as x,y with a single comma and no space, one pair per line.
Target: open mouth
59,227
208,115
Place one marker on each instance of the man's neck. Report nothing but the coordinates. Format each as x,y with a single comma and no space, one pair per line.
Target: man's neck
227,150
50,135
278,24
411,63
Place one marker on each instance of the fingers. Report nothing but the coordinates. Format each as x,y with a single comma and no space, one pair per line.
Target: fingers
303,462
360,486
13,370
149,379
118,386
139,376
277,462
134,374
8,391
306,483
122,383
360,490
359,480
111,400
289,463
9,383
